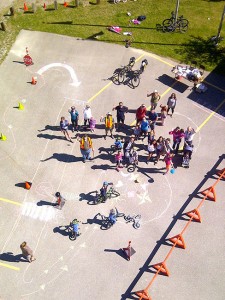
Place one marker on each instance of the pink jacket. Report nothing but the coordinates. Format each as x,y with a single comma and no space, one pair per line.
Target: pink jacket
177,135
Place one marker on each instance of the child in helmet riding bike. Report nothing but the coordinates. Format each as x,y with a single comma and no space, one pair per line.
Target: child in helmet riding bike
118,143
112,216
75,227
104,189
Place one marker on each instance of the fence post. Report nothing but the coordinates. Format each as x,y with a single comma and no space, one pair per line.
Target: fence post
56,4
3,26
12,11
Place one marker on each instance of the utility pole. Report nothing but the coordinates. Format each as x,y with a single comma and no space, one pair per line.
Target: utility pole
220,27
177,8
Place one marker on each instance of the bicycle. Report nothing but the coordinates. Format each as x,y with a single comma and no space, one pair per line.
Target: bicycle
73,233
106,222
125,70
170,25
135,219
98,198
137,73
117,1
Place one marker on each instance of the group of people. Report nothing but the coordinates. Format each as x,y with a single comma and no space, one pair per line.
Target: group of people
146,121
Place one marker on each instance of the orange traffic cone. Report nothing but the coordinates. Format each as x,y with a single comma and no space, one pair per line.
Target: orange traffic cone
143,295
65,4
44,6
25,8
27,185
34,80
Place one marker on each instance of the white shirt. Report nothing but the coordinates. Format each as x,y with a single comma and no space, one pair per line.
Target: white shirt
87,113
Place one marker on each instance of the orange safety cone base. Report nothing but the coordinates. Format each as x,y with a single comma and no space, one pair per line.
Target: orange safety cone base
34,80
210,193
162,267
28,185
143,295
178,241
65,4
44,6
195,215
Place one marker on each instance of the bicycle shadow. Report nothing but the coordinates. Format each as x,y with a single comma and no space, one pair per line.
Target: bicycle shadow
89,197
61,230
95,220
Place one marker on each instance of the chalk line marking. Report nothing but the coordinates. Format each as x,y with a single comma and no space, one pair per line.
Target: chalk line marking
65,66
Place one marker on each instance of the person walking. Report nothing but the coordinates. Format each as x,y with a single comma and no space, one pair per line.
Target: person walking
64,124
27,252
86,146
109,124
74,118
87,115
155,97
171,103
120,115
140,114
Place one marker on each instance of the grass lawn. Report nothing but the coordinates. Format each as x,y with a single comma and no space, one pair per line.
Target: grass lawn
92,20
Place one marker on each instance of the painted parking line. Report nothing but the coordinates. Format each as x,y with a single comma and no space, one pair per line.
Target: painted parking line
107,85
10,201
210,116
9,267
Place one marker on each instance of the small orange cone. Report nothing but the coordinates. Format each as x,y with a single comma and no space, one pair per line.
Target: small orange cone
25,8
44,6
195,215
161,268
143,295
34,80
27,185
178,241
210,193
65,4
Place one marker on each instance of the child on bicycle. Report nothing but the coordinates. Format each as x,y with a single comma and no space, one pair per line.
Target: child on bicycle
75,227
112,216
118,143
104,189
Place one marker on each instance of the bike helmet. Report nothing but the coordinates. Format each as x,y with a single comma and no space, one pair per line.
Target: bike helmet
132,59
105,183
57,194
75,221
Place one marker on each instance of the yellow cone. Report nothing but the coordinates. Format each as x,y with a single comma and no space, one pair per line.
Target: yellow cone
20,107
3,137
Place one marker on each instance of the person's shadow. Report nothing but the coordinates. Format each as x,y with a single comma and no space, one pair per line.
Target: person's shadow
9,256
62,230
43,202
95,220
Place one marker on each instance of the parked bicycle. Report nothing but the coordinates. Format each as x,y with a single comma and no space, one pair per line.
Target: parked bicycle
137,73
170,25
108,222
125,70
117,1
135,219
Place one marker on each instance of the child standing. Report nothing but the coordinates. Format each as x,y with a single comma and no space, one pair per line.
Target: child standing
163,113
168,161
92,123
118,159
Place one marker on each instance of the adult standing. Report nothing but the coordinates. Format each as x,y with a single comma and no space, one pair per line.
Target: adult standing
87,115
120,115
155,97
86,146
74,118
171,103
189,134
153,117
128,146
109,124
140,114
178,134
27,252
64,124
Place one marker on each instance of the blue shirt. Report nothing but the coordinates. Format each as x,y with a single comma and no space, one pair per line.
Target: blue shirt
74,114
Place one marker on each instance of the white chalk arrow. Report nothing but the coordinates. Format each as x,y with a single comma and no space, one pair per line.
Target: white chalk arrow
42,286
46,271
68,68
64,268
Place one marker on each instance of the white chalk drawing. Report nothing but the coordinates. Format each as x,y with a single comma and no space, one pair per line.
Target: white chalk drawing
42,213
65,66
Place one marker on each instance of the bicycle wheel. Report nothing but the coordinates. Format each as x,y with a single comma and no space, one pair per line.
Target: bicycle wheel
106,224
114,194
121,76
73,235
116,1
135,80
166,25
136,225
128,218
112,149
183,25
